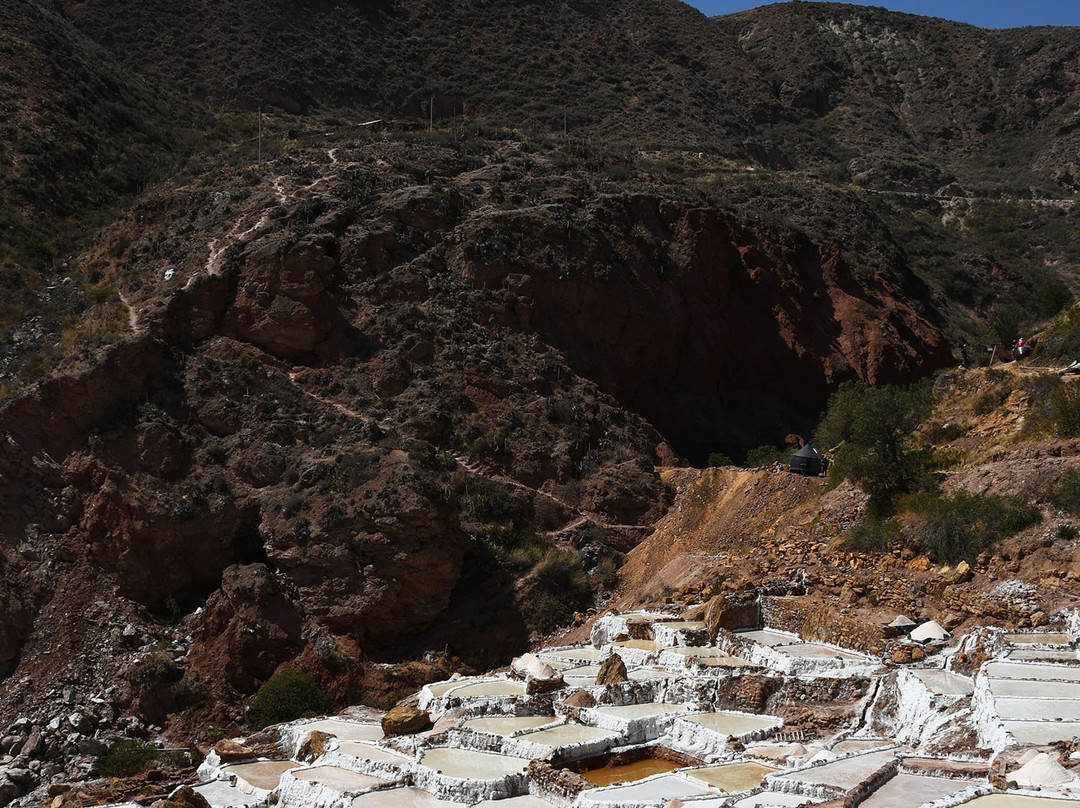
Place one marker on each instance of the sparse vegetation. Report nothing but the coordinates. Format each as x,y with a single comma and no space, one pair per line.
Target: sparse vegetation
960,526
127,758
1066,494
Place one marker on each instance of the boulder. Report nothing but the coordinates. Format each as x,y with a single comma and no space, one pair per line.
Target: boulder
183,797
313,746
405,721
229,751
612,671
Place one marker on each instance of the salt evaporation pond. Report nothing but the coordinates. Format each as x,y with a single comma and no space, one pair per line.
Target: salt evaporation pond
733,776
852,745
442,688
640,645
492,687
582,676
373,754
1010,709
338,779
507,725
944,682
1044,654
1018,801
646,674
845,773
685,625
470,764
905,790
1021,688
629,772
583,654
768,636
1026,638
631,711
1032,670
1042,732
222,795
524,801
814,650
710,656
402,798
771,799
568,735
346,730
264,774
662,788
731,723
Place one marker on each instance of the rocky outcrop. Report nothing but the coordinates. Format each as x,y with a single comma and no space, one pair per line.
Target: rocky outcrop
612,671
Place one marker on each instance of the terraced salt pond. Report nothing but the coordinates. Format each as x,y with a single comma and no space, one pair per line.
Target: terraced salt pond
646,710
906,790
643,742
843,774
770,799
654,789
1019,801
725,723
402,798
264,774
1042,732
371,753
471,764
1033,670
495,687
629,772
569,735
733,776
345,730
573,654
337,778
1035,638
508,725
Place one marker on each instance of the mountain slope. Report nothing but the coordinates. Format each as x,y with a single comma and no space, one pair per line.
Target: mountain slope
891,99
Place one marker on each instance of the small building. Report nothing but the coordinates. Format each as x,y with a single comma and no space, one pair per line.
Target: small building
808,462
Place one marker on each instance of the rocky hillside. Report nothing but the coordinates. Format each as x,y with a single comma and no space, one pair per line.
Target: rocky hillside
352,414
388,405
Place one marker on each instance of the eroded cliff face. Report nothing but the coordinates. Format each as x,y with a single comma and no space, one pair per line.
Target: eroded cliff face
723,335
355,398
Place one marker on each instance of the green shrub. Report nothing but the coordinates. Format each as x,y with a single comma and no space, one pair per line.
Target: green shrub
1064,407
1051,296
1066,532
873,535
871,428
127,758
1066,494
717,459
959,527
286,696
765,456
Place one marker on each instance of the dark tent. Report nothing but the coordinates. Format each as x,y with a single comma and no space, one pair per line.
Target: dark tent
808,461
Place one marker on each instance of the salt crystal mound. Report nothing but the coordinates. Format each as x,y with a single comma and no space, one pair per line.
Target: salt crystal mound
929,631
1042,770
